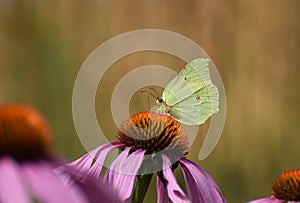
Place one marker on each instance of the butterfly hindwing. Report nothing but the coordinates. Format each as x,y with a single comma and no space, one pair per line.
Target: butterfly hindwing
194,110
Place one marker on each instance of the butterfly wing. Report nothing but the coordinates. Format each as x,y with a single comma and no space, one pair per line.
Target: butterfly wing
192,95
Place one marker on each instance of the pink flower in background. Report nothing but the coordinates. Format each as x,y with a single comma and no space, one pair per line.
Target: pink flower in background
26,166
151,143
286,189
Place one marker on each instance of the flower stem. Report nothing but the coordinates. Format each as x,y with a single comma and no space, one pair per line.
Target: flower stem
142,183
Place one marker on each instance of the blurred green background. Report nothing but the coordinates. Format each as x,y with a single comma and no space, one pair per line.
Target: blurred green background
254,44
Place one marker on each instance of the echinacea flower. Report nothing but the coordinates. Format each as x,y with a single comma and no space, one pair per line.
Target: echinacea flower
286,189
150,143
26,166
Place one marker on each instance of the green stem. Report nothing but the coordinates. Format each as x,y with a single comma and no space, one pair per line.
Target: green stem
141,185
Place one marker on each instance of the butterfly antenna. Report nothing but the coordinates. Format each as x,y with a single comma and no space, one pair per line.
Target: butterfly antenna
154,90
148,101
149,93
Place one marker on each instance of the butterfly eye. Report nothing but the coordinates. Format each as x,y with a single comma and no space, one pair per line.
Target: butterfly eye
197,98
185,78
160,99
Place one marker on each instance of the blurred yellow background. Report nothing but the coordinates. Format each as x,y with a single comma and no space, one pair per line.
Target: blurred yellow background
254,44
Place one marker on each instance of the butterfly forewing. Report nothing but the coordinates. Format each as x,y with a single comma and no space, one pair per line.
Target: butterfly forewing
192,77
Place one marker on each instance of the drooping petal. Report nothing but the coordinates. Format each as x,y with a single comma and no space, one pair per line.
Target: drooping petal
271,200
200,186
90,164
122,172
175,193
99,157
47,187
112,176
162,194
95,158
12,183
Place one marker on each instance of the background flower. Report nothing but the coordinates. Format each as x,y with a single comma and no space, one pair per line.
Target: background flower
26,164
286,189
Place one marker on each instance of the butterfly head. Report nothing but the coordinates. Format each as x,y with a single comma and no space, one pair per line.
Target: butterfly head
159,100
153,93
163,107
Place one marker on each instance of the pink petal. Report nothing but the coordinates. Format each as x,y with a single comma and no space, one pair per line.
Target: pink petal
12,184
122,172
90,164
112,176
201,187
99,154
175,193
270,200
162,194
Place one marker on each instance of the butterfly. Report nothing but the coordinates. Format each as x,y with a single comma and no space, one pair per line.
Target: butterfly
191,97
